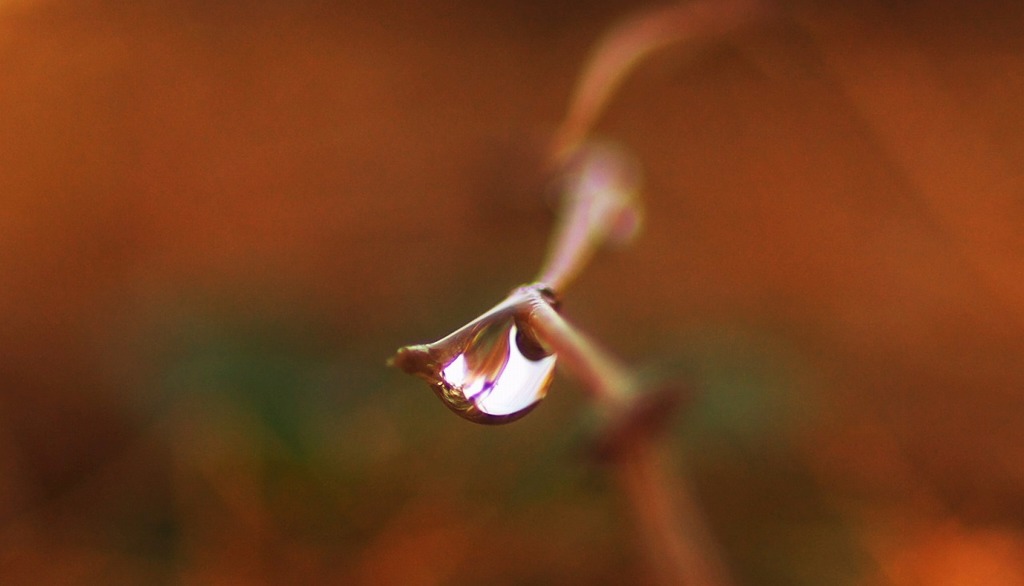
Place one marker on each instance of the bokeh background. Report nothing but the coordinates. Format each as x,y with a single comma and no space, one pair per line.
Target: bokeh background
218,219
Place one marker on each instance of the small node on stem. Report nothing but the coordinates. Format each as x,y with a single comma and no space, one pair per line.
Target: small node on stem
643,420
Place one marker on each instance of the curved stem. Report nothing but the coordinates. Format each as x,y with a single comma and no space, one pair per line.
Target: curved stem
602,184
630,43
600,206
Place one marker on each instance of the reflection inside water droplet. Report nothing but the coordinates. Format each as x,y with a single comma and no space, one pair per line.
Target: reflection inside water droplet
492,370
504,385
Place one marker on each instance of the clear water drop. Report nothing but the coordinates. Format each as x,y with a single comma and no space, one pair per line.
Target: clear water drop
492,371
504,385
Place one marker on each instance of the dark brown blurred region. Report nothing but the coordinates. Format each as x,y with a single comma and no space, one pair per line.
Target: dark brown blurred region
218,219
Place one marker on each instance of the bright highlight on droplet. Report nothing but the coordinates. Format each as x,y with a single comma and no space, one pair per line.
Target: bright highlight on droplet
456,372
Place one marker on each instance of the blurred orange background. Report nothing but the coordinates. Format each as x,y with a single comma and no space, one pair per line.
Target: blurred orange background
217,220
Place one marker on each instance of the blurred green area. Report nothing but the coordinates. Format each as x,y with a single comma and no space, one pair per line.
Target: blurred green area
217,221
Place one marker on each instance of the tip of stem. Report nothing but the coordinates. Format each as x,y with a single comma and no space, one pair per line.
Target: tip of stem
411,360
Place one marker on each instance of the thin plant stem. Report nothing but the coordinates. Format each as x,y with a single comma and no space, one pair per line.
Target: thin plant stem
677,542
630,43
679,547
599,207
609,383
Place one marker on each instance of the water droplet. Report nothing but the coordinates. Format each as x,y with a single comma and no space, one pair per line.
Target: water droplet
491,371
496,384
